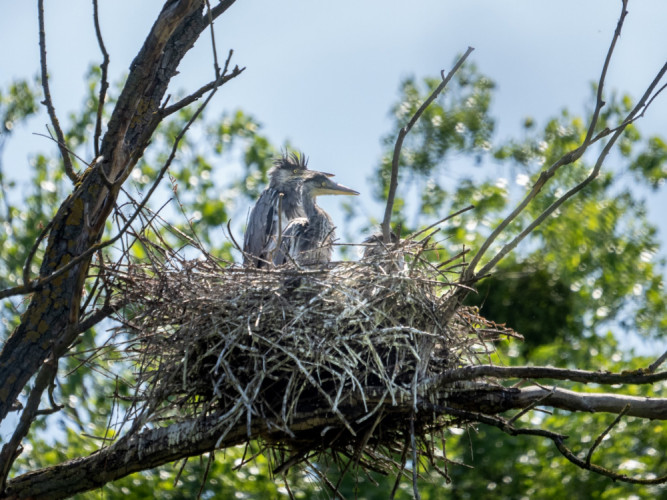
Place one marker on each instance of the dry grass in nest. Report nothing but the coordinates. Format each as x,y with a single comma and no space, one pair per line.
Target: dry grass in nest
344,345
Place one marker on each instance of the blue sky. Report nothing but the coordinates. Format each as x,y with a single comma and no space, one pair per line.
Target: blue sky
324,74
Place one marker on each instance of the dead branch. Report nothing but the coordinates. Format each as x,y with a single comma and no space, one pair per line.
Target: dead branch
546,372
104,82
48,102
393,183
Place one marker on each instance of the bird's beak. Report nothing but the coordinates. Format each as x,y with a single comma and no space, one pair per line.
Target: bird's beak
331,187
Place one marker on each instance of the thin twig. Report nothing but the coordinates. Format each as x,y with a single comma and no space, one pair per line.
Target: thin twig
599,439
48,102
393,183
104,83
215,52
656,364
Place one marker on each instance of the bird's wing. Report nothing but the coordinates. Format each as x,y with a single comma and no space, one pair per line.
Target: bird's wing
255,238
289,243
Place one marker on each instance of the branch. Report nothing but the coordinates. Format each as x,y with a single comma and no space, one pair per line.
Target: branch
569,194
48,102
393,183
221,80
544,372
570,157
651,408
557,439
104,83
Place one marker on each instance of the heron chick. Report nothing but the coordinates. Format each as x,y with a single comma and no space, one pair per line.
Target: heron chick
278,204
309,240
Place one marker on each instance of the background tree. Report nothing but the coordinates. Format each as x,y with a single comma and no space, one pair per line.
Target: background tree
581,285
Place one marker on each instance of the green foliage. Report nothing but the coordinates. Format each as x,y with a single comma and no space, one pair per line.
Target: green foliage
532,467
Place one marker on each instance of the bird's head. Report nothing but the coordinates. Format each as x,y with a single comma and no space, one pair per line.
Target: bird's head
290,167
318,183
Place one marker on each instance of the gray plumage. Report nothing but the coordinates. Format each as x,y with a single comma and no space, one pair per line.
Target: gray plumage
271,213
309,240
376,250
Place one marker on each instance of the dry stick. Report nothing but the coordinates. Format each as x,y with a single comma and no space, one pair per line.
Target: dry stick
542,372
656,364
531,406
605,432
386,229
104,83
450,216
570,157
413,445
69,170
215,52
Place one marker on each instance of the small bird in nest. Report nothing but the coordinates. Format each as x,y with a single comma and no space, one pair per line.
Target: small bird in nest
278,204
308,240
375,249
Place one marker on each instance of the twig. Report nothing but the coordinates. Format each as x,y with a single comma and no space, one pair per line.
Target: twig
393,183
569,194
469,274
605,432
215,52
450,216
218,82
415,462
656,364
48,102
104,83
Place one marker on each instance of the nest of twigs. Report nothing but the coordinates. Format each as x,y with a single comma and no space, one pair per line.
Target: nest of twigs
341,347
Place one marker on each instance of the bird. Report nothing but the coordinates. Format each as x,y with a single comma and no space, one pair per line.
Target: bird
308,241
278,204
377,251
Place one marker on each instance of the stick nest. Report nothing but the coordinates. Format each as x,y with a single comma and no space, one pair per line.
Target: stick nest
345,349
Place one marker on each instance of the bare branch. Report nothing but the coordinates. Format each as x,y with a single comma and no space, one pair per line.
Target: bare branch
104,83
605,432
221,80
546,372
216,67
599,103
48,102
38,283
393,183
469,274
569,194
656,364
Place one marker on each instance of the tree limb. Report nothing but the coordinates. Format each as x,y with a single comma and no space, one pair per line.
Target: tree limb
545,372
104,83
48,102
393,183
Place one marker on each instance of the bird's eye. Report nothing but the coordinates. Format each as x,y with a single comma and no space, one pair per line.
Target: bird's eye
296,171
323,184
